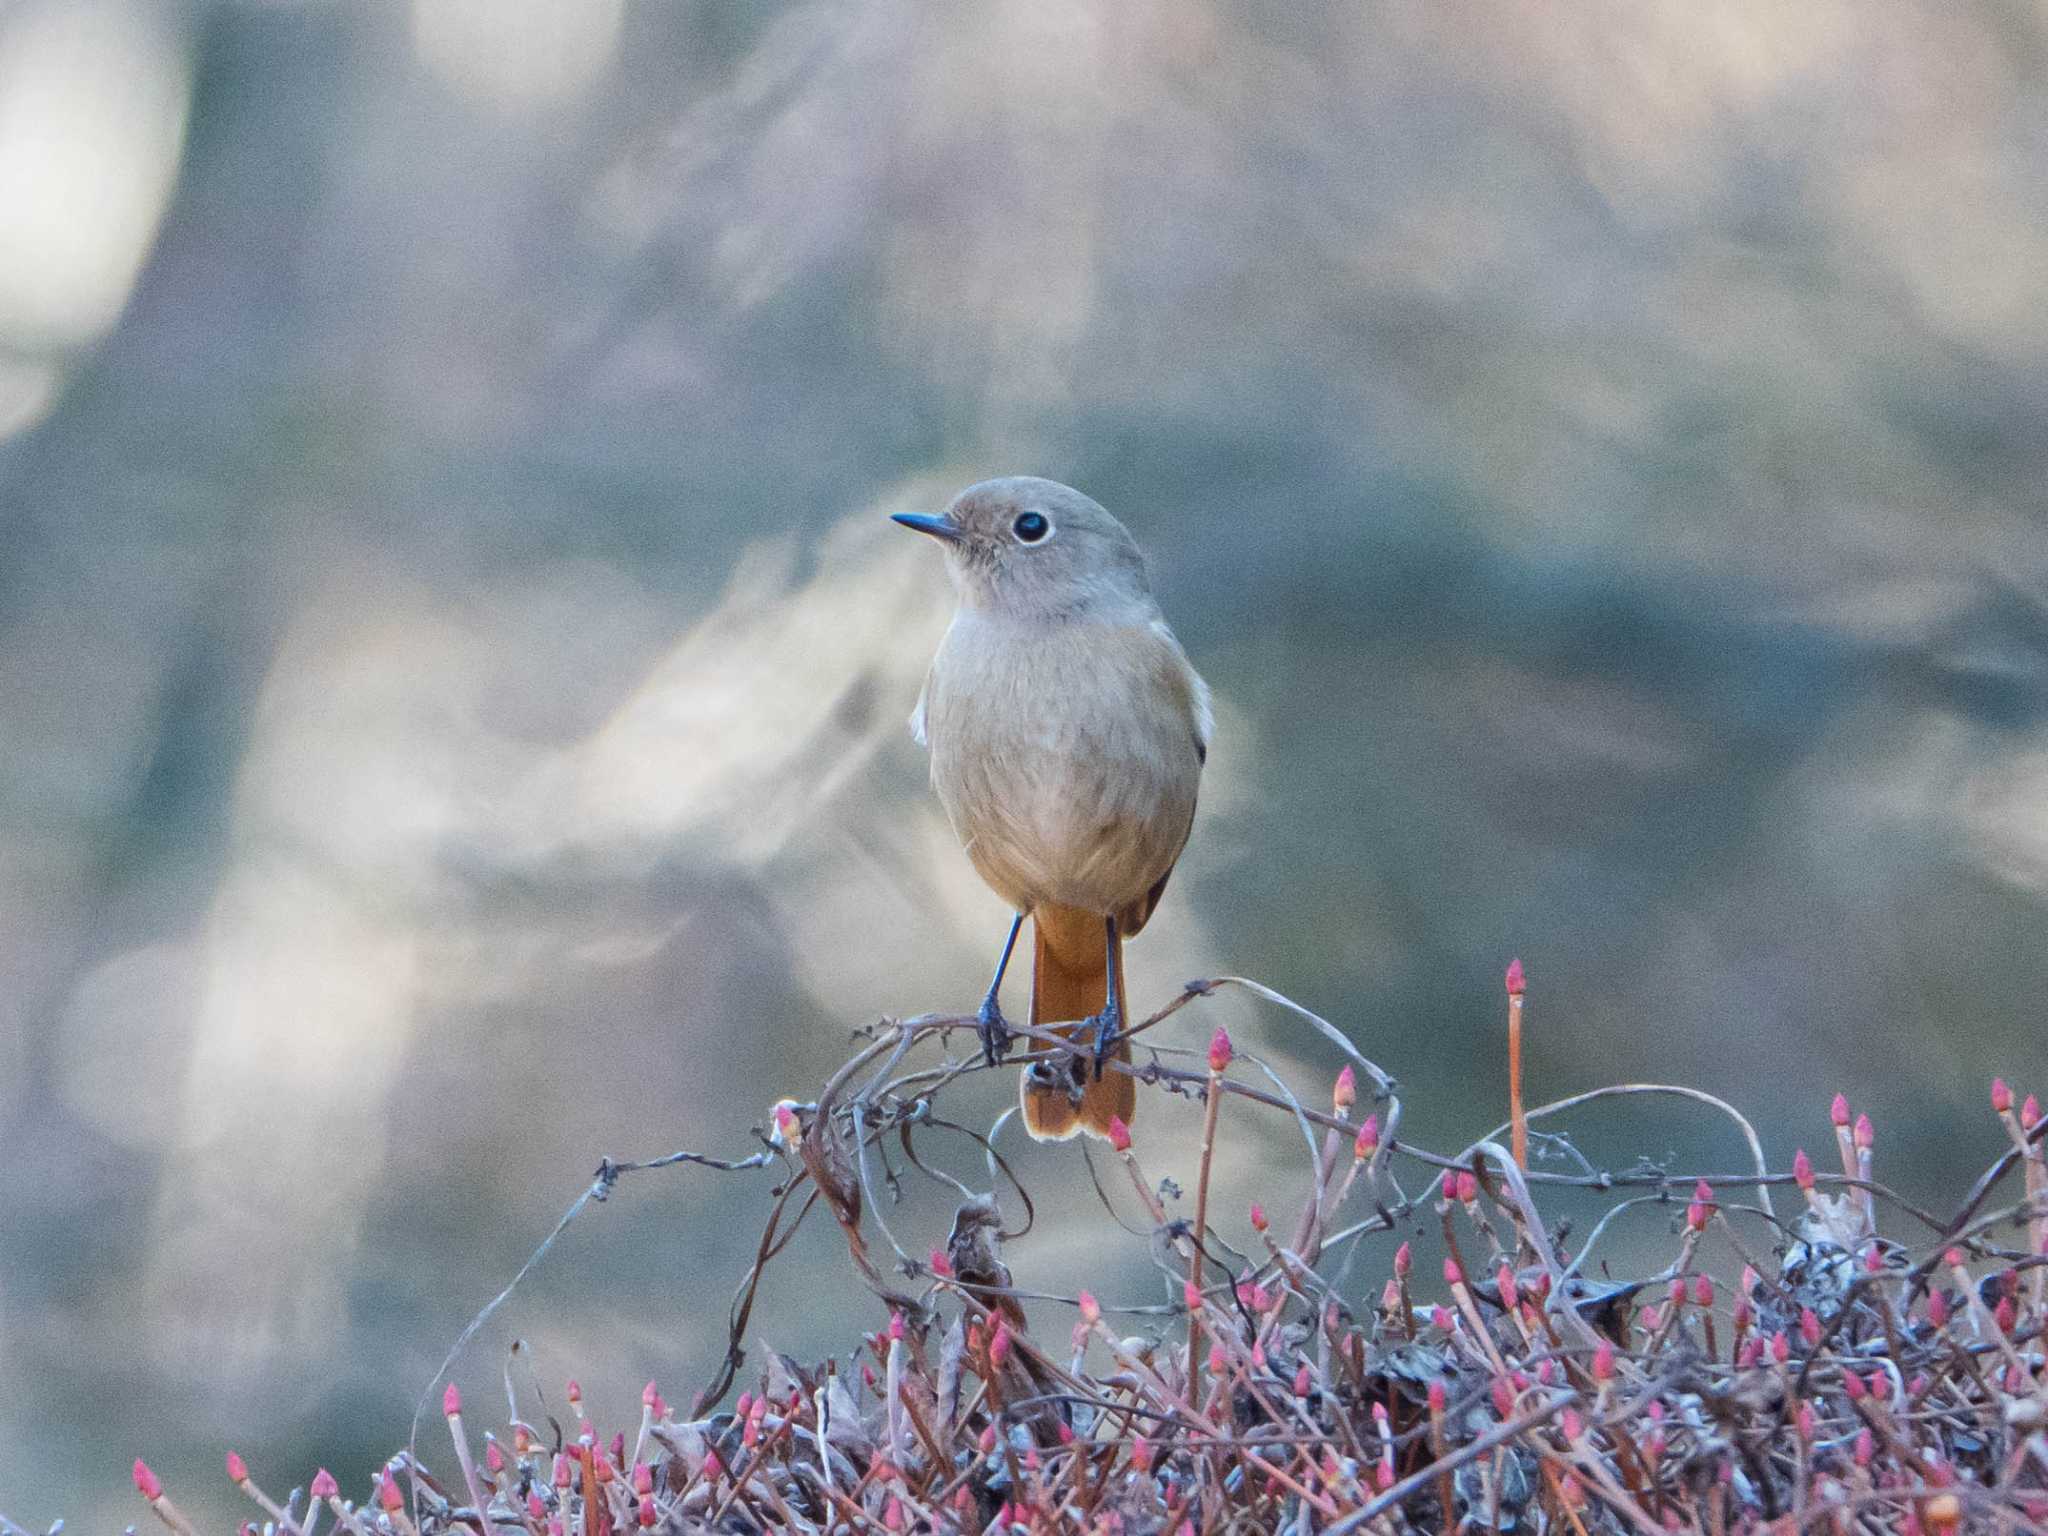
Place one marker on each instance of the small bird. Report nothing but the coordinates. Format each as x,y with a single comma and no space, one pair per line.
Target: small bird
1067,732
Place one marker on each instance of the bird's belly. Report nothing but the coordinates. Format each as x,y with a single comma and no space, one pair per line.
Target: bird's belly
1043,820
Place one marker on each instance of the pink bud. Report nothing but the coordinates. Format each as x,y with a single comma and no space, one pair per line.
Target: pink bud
1191,1294
238,1471
1404,1259
1468,1186
1119,1134
1218,1361
712,1466
2004,1314
1572,1424
1852,1386
1504,1281
1866,1447
451,1401
1806,1420
1603,1360
1809,1328
1781,1347
1954,1258
1873,1260
1453,1275
2001,1096
1141,1453
1677,1291
324,1486
1091,1309
1440,1318
1368,1139
146,1483
1839,1110
644,1514
1437,1396
1516,984
1752,1353
999,1346
536,1511
2030,1112
1937,1308
940,1264
575,1393
650,1395
493,1457
387,1492
1345,1093
1258,1217
1802,1170
1219,1050
1503,1397
1866,1133
1450,1184
1703,1290
1301,1380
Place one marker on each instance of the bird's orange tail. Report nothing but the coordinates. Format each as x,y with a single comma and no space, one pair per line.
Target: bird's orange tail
1070,982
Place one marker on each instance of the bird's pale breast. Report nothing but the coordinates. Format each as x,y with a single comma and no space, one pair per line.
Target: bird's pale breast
1068,757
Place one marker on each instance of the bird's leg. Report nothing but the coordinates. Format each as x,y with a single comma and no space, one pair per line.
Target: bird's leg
1109,1024
995,1029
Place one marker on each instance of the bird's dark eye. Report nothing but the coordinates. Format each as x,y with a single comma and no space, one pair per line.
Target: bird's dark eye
1030,527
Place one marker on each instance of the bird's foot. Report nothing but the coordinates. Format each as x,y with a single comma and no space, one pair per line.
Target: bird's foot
994,1030
1108,1026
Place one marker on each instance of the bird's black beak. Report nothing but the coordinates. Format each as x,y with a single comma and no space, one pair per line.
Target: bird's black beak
941,527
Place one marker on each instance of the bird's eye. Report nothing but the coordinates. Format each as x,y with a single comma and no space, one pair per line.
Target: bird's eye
1030,527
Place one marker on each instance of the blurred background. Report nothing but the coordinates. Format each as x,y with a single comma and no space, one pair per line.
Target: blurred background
453,662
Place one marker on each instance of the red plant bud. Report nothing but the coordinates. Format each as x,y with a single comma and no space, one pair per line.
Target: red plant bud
1572,1424
2030,1113
1119,1134
1937,1308
324,1486
1191,1294
1437,1396
1440,1318
1468,1186
1703,1290
1696,1216
712,1466
1546,1373
1141,1453
1504,1281
645,1514
619,1450
1809,1327
145,1481
564,1470
1752,1353
999,1346
1219,1051
602,1465
1258,1217
1368,1139
1802,1170
1603,1360
1781,1347
1954,1258
1503,1397
238,1471
387,1492
1838,1111
1449,1187
1345,1093
575,1393
1540,1286
1866,1133
1218,1361
2001,1096
1677,1291
1404,1259
1873,1260
1806,1420
1453,1275
1301,1380
1517,985
649,1395
1866,1446
2004,1314
536,1511
451,1401
940,1264
1091,1309
1744,1314
1852,1386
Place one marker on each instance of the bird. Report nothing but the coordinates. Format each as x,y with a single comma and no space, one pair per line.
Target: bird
1067,732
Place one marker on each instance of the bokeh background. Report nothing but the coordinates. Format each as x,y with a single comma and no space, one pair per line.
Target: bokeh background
453,663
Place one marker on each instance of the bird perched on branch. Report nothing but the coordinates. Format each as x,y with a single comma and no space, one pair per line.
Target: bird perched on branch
1067,732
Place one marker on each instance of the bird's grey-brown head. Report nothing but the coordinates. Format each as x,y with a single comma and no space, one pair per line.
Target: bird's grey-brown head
1024,545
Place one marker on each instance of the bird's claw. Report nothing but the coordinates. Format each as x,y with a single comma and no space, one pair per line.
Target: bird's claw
1108,1030
994,1030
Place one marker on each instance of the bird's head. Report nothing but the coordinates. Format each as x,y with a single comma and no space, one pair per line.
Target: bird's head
1032,547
